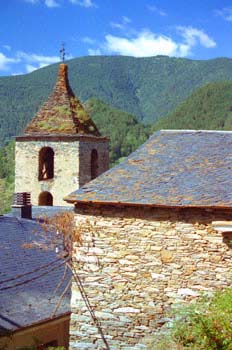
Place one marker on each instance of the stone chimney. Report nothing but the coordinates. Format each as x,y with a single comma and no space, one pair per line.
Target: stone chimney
21,207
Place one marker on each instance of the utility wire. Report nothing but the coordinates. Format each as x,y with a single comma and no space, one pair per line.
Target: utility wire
30,272
61,281
34,278
61,297
87,303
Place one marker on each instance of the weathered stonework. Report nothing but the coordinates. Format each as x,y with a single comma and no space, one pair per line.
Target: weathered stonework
137,261
61,148
72,165
85,150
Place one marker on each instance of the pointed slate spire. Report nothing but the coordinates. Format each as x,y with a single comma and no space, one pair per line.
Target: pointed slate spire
62,113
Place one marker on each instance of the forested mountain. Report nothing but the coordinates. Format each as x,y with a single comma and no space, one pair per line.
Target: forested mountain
124,131
208,108
148,87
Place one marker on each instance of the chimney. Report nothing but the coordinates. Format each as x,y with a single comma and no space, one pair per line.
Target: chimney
21,207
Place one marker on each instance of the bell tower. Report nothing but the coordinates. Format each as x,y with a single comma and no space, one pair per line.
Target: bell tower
61,148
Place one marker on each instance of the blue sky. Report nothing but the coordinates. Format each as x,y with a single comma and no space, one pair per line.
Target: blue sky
31,31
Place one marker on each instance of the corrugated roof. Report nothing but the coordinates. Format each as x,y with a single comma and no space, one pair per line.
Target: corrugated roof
173,168
62,113
35,301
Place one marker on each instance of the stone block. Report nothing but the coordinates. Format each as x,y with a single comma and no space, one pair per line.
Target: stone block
166,256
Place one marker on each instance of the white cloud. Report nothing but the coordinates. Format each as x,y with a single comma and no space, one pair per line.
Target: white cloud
93,52
225,13
6,61
17,73
56,3
147,43
84,3
156,9
30,68
48,3
122,24
88,40
32,1
51,3
27,62
193,36
33,61
37,59
7,47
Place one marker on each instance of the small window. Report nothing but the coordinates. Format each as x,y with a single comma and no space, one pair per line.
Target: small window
94,164
46,163
46,199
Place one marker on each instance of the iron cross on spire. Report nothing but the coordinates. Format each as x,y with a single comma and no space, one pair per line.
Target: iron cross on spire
62,52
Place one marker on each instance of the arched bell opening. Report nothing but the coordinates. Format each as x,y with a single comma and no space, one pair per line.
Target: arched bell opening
46,163
45,199
94,164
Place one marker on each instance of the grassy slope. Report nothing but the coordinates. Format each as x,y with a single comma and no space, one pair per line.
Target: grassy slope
146,87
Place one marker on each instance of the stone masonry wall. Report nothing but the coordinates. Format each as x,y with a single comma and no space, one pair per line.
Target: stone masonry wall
66,168
85,150
135,263
71,167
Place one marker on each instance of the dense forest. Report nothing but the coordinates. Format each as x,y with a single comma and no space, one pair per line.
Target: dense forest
148,88
210,107
123,129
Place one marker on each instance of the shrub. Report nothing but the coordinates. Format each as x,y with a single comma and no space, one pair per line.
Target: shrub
206,324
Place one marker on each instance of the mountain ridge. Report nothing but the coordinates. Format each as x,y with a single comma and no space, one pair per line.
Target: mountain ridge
149,87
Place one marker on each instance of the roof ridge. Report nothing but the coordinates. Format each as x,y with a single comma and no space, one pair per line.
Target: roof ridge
195,131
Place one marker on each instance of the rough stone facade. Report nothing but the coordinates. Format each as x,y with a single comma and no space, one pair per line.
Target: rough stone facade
72,163
85,150
135,262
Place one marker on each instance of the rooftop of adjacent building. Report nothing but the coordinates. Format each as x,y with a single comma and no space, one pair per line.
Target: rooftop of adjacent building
174,168
63,113
34,274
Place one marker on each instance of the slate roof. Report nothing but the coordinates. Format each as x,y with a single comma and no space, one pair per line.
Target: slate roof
33,302
173,168
48,211
63,113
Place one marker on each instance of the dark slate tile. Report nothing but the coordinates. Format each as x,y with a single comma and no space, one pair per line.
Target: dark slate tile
34,301
173,168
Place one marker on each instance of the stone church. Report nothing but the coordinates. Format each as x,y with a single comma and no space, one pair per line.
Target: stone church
158,228
61,148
